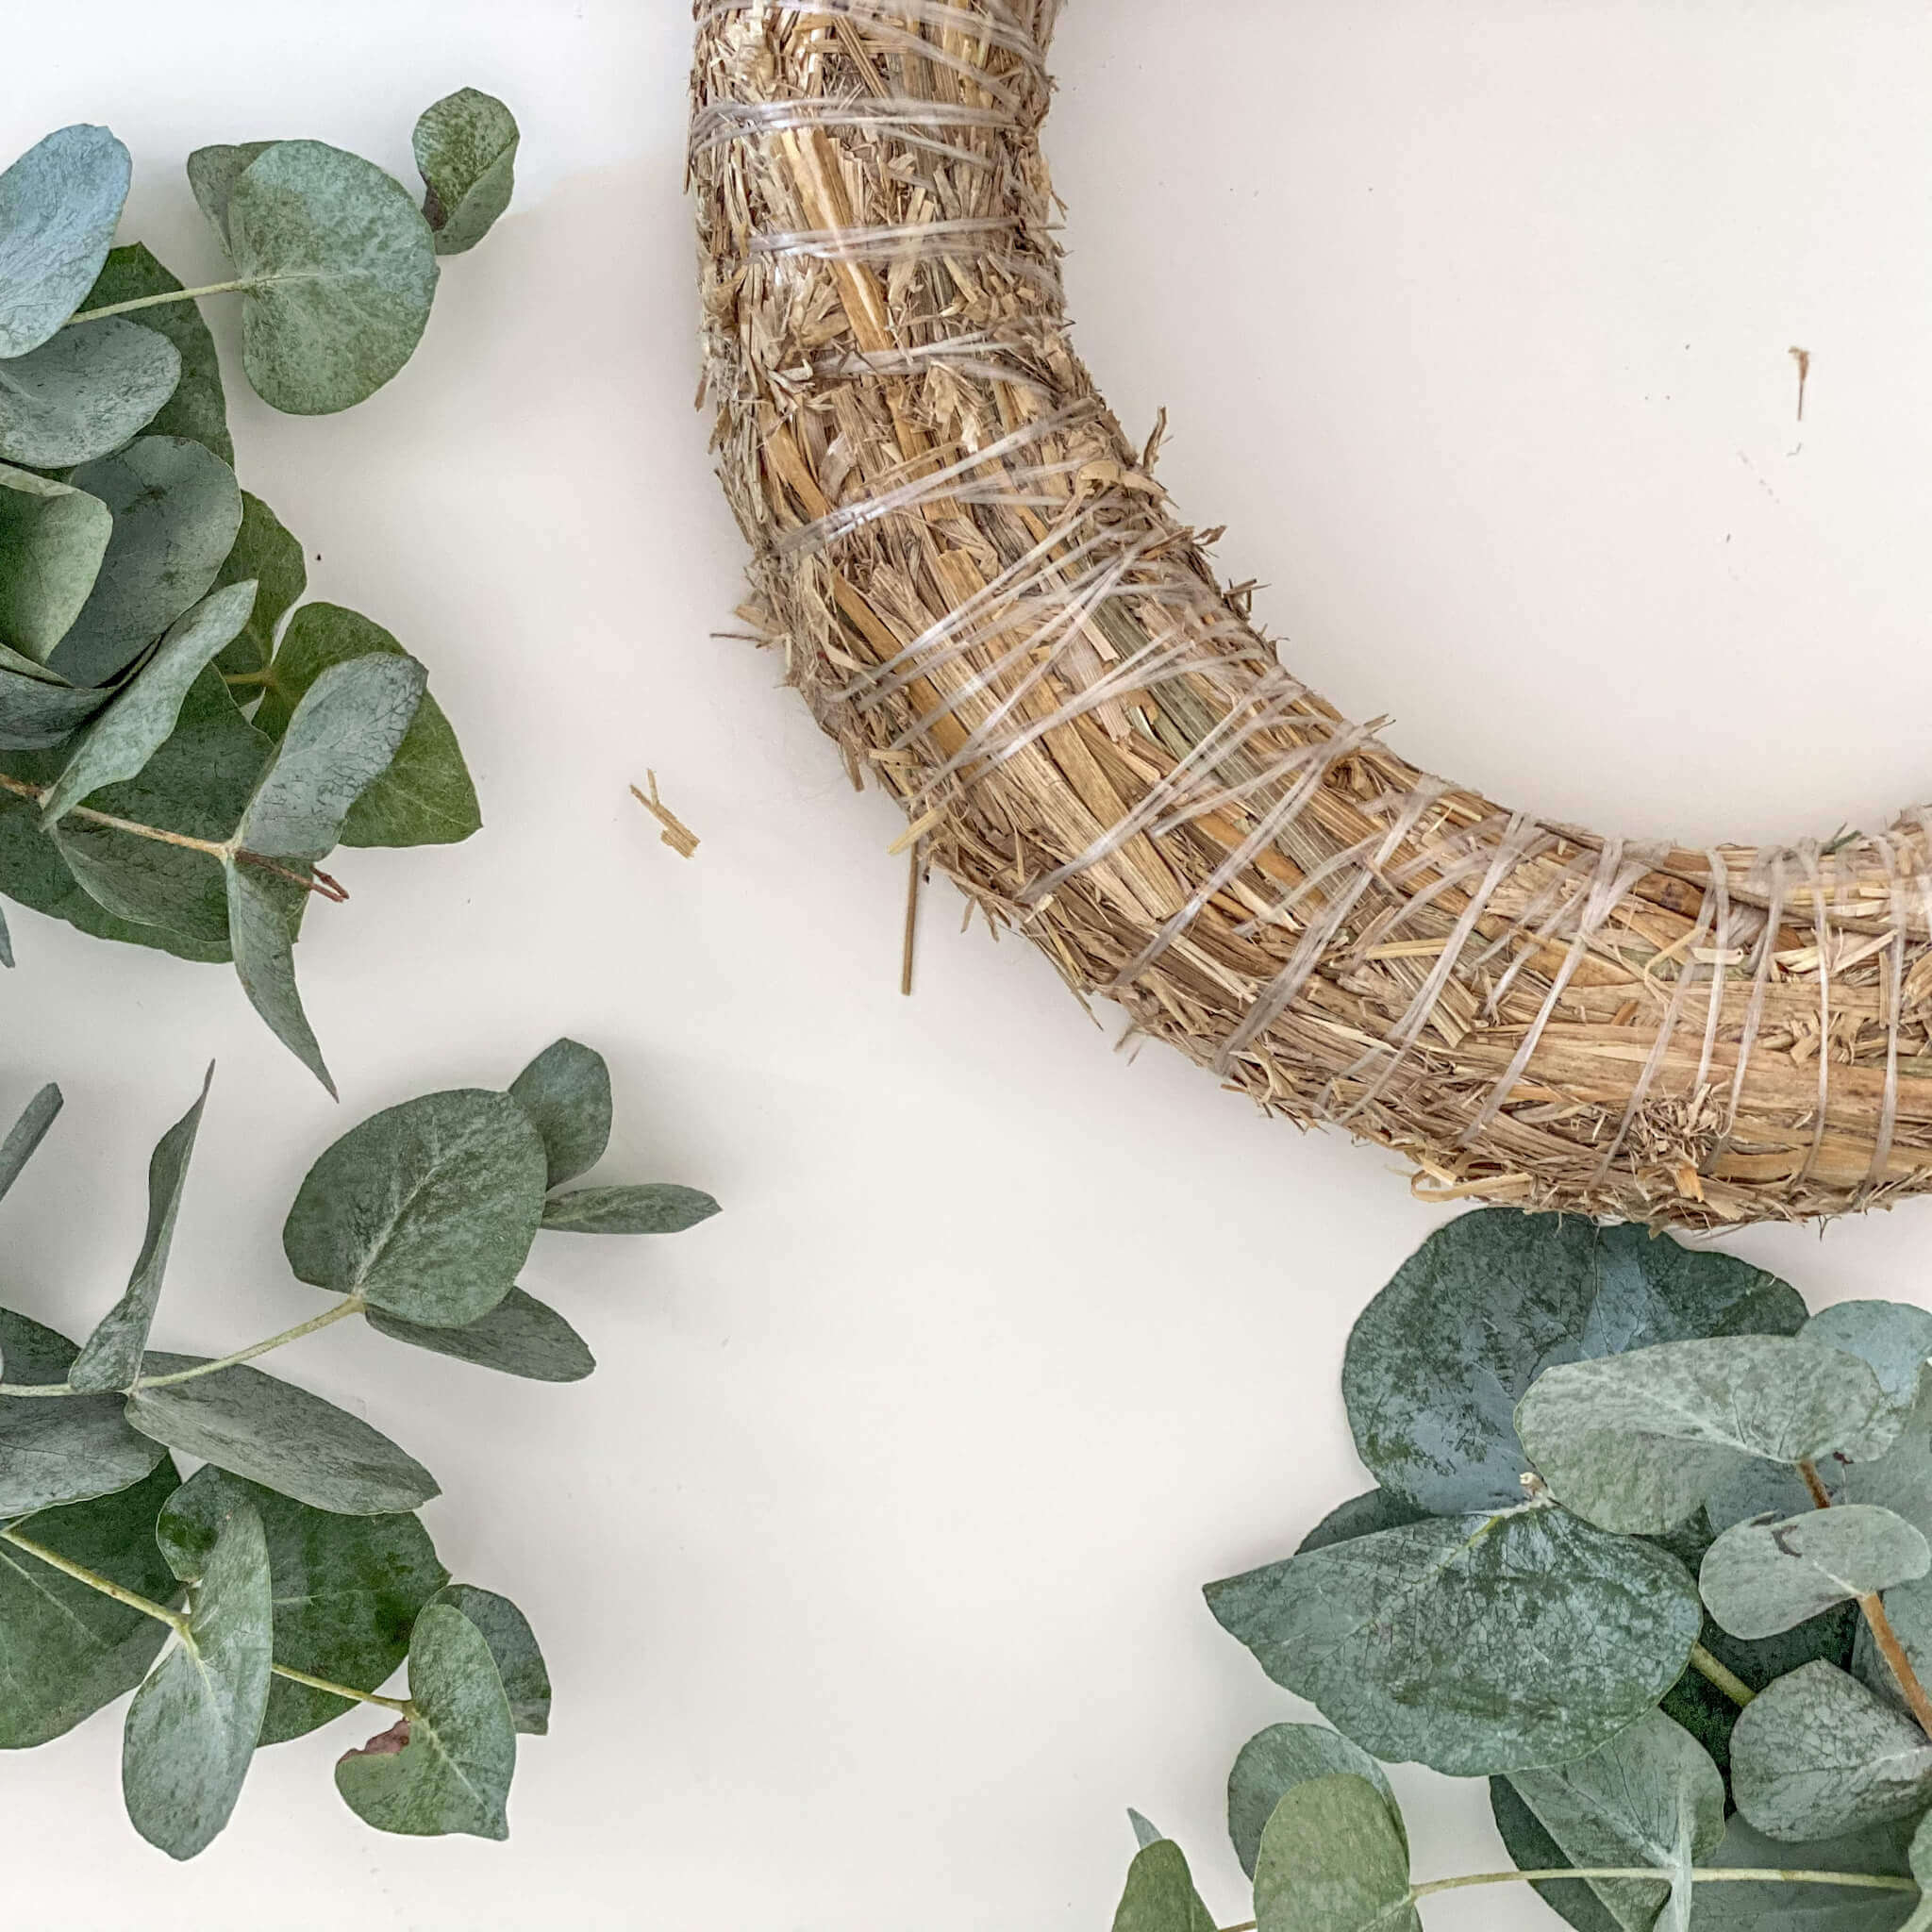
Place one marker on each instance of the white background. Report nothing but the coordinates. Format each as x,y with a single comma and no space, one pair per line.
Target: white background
868,1564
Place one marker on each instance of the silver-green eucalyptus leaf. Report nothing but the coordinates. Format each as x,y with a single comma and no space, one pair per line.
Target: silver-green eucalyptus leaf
177,507
70,1650
141,719
1439,1358
1532,1849
37,713
1364,1515
110,1358
520,1336
56,1450
1637,1441
268,556
447,1767
1815,1754
257,1426
84,392
212,173
651,1207
1921,1858
566,1091
26,1135
1161,1895
58,205
1879,1850
1333,1860
198,409
1274,1761
1476,1643
347,1588
1893,1337
466,151
1651,1796
51,540
192,1729
1145,1831
343,270
341,740
513,1648
265,964
1761,1578
426,1210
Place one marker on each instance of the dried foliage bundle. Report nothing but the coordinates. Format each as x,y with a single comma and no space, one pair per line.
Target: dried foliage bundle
986,598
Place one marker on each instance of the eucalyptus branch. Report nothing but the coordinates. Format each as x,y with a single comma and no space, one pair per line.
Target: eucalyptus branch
315,880
178,1623
350,1305
235,288
1712,1672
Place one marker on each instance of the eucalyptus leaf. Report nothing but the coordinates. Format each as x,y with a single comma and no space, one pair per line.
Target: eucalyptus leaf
265,964
1145,1831
1893,1337
212,173
176,508
191,1727
1881,1849
59,1449
341,738
1816,1753
347,1588
1365,1515
1439,1358
1532,1849
84,392
143,717
1759,1578
1472,1644
1333,1860
447,1767
70,1650
466,150
111,1358
1274,1761
654,1207
424,796
255,1425
198,409
520,1336
1161,1895
26,1135
51,540
1651,1796
58,205
426,1210
266,555
513,1648
566,1091
37,714
1638,1441
343,272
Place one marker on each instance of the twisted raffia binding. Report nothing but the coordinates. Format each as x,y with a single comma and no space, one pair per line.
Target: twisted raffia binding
987,599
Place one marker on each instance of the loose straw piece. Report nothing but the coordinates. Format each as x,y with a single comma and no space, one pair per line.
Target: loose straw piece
988,600
914,879
676,834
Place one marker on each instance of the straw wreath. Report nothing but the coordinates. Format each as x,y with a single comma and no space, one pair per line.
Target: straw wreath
988,600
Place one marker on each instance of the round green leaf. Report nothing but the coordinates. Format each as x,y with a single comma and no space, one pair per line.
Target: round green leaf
212,173
343,271
1638,1441
347,1588
1274,1761
520,1336
176,510
198,409
58,205
1761,1578
1893,1337
1366,1515
1532,1849
51,540
84,392
266,555
513,1646
466,150
1476,1643
1161,1895
447,1768
427,1210
1333,1860
566,1091
1439,1358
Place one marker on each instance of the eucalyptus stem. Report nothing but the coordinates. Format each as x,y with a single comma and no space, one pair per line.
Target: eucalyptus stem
178,1623
1727,1680
350,1305
167,295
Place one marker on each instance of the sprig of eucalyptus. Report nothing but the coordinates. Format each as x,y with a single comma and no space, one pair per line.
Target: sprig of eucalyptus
1650,1551
284,1583
178,752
